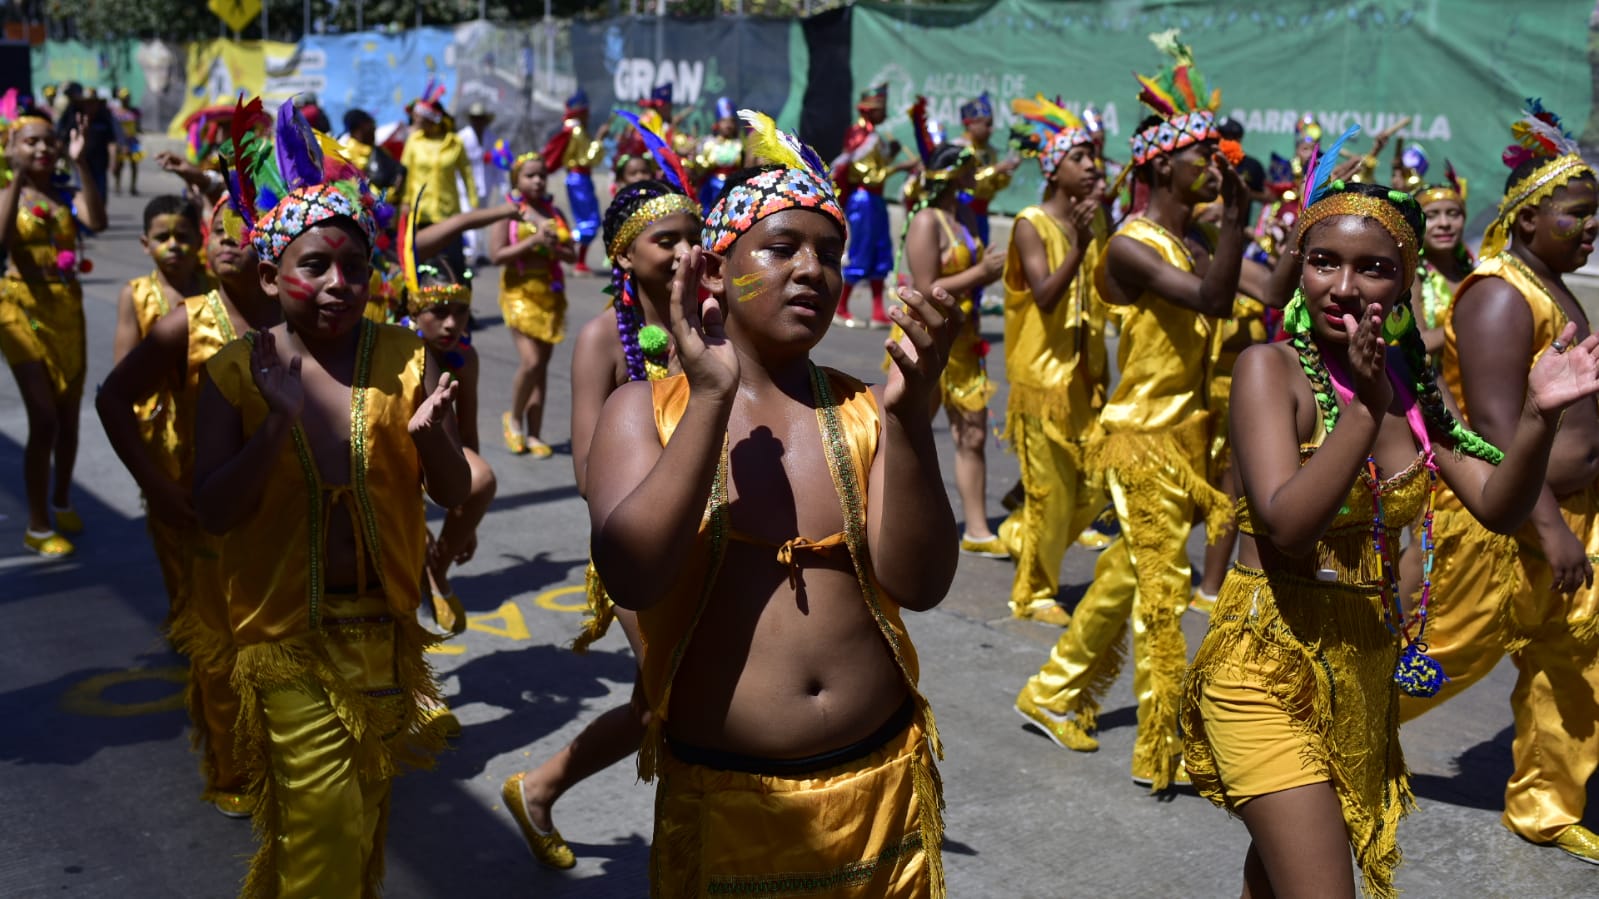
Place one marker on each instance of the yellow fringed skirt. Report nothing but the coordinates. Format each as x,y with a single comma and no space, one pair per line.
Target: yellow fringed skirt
868,829
531,305
1293,685
43,322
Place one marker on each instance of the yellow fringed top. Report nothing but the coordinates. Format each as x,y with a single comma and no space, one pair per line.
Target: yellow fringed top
848,416
1166,354
1056,362
277,595
1548,319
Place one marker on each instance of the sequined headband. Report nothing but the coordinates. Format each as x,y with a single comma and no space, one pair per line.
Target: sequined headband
1173,134
1054,152
650,212
1380,211
308,207
767,194
1439,193
437,295
1539,186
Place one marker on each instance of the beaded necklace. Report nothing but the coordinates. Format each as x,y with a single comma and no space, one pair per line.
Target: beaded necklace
1416,673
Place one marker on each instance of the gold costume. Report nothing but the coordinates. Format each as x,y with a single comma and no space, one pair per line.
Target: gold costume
162,442
872,827
41,307
358,153
1246,328
964,386
1151,447
582,151
1056,366
532,295
329,683
433,163
1493,595
989,180
1294,682
199,623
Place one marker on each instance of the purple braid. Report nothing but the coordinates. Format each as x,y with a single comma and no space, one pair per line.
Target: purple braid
627,323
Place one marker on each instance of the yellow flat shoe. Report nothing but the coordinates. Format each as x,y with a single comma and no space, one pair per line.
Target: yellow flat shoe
234,805
1202,602
548,848
68,521
515,441
539,448
1093,539
49,544
1179,778
1578,842
449,613
441,718
988,548
1064,730
1046,612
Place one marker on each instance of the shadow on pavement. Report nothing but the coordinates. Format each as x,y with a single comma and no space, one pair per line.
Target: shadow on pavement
71,718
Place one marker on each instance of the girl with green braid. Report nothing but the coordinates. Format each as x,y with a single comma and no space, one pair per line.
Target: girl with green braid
943,252
1290,711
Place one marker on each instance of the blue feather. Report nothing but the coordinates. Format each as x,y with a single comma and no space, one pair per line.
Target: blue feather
665,156
1321,172
299,154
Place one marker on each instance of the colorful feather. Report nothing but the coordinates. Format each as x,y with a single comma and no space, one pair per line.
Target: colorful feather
500,155
299,154
1318,172
1454,180
239,133
925,144
406,248
335,165
1050,116
671,164
779,147
1155,98
1184,87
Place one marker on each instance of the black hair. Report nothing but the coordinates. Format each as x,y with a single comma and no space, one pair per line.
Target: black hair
169,204
1231,129
628,319
355,118
437,272
944,156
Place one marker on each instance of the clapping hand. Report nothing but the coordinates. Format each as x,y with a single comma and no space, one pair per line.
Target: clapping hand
278,384
437,408
1368,361
1564,374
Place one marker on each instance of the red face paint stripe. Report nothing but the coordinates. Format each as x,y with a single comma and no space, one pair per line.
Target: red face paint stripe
296,288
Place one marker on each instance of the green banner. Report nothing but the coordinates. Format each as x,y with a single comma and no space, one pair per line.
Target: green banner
105,66
1458,70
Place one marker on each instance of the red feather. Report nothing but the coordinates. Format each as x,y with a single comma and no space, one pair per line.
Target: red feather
555,150
1179,77
924,138
244,119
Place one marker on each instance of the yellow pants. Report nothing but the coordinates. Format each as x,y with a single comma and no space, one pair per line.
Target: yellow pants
1059,505
868,829
1144,577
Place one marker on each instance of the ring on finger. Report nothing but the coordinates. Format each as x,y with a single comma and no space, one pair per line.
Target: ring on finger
1559,346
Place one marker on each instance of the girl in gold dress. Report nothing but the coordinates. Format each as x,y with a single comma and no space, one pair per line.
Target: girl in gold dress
529,251
41,316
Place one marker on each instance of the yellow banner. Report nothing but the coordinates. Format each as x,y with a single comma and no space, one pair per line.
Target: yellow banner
236,13
219,71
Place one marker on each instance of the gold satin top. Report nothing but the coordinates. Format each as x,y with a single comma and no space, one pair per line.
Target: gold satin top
273,564
1166,354
961,255
719,155
1056,362
40,239
582,151
1246,328
849,426
873,169
154,411
990,180
1548,319
1346,547
434,163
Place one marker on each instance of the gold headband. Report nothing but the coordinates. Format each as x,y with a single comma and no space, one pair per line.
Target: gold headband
648,214
531,154
1539,186
1380,211
1439,194
437,295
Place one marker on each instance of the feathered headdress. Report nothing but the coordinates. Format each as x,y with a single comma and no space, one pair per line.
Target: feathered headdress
1539,136
1318,171
282,188
925,145
802,182
1053,130
1326,197
1177,94
670,163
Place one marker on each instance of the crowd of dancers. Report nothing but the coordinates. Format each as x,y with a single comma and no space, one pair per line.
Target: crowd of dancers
1394,435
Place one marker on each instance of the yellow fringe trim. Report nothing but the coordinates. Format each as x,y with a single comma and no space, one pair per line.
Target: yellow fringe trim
209,650
1178,453
301,661
601,612
1249,628
929,790
1046,403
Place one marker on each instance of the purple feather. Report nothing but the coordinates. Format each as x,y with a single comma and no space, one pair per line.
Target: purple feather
299,154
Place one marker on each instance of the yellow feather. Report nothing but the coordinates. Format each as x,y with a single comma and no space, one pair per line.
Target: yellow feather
766,143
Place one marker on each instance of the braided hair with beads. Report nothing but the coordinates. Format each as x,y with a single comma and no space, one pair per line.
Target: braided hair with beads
1401,331
624,299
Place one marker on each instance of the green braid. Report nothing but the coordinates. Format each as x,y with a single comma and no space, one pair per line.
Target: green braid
1433,409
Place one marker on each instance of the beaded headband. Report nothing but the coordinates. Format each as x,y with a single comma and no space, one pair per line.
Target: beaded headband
437,295
647,214
307,207
1054,152
1380,211
1174,134
1061,130
1539,186
801,183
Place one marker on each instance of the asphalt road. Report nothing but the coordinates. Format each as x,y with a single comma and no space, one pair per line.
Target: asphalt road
100,791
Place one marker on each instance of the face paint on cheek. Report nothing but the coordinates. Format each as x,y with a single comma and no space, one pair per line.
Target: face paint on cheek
1199,182
750,286
1567,226
296,289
